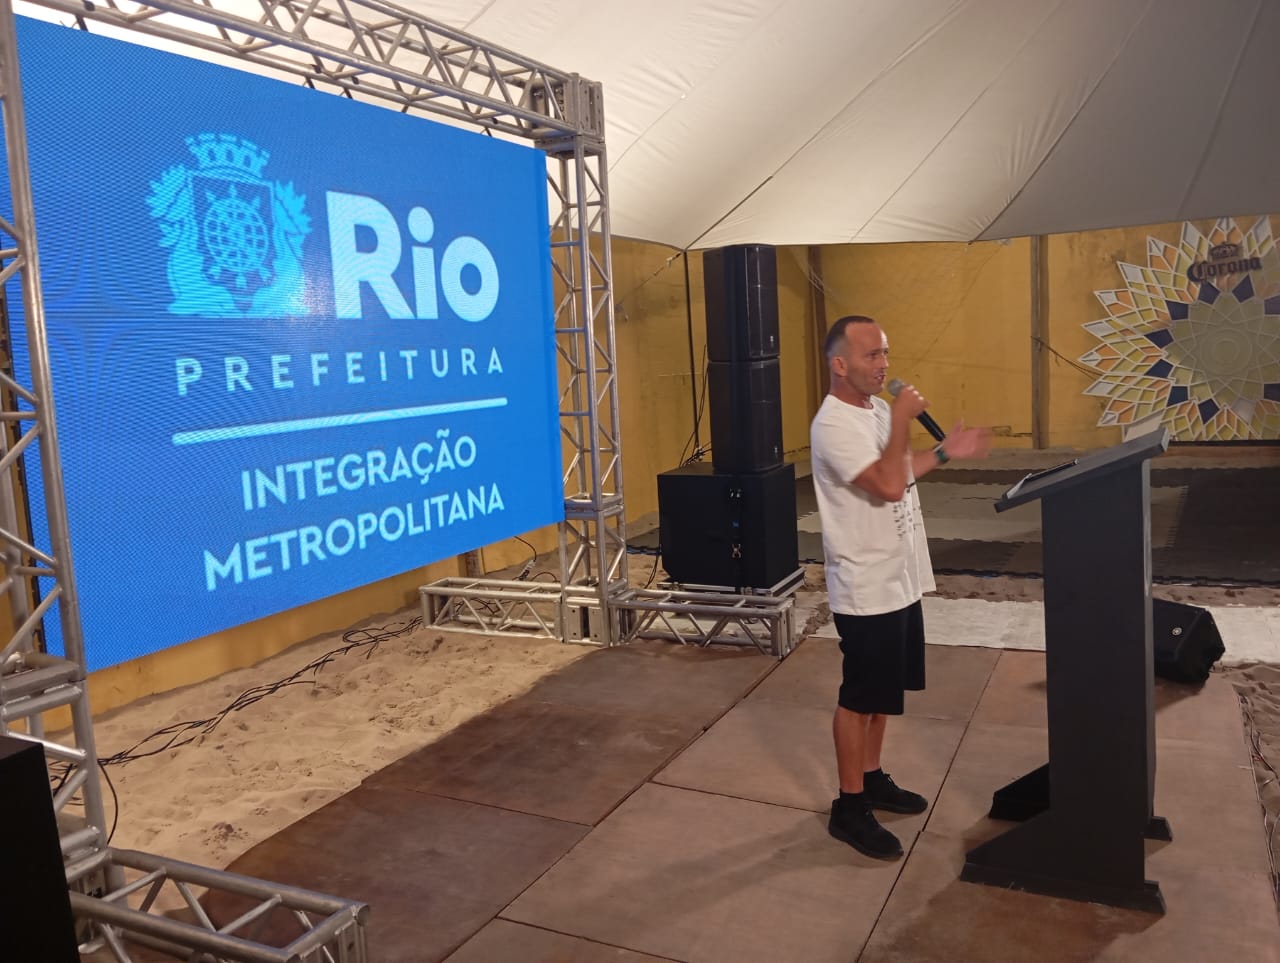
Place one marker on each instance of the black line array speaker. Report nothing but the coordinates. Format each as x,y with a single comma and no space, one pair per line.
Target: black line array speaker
741,287
1185,641
35,910
746,415
724,530
744,384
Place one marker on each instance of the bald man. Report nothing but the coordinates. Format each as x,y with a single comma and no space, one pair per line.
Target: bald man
877,566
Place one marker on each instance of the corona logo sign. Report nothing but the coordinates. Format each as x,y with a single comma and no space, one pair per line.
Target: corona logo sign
1223,259
1192,342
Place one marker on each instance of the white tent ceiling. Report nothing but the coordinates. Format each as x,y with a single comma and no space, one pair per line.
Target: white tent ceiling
834,121
830,121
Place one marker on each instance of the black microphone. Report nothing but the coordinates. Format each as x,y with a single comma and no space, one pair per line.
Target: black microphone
927,422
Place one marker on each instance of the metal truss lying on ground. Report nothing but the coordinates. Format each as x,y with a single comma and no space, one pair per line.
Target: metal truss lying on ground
494,606
765,621
707,618
331,930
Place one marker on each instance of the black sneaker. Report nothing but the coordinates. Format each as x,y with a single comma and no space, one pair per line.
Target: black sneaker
854,824
881,792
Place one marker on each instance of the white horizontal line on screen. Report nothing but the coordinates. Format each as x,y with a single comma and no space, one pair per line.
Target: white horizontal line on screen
331,421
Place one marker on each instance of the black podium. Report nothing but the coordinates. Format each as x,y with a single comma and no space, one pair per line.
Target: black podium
1089,810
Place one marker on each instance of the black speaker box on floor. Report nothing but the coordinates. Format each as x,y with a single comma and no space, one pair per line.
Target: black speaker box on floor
741,288
35,910
1185,641
735,531
746,415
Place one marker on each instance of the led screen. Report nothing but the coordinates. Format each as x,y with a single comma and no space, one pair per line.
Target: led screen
298,343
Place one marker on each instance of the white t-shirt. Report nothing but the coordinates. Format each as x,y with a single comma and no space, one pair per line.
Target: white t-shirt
877,556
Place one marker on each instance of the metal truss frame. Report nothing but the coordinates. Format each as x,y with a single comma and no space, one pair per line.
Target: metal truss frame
593,539
332,930
33,682
540,609
766,622
494,606
371,49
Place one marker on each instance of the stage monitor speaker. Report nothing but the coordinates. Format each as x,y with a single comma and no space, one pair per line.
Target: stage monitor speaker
1185,641
35,910
734,531
746,415
741,288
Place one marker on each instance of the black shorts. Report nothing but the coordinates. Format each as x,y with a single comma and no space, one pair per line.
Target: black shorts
883,657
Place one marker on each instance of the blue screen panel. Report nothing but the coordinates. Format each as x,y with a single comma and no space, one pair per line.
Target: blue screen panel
298,343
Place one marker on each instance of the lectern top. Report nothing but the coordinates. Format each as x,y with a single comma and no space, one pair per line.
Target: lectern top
1087,467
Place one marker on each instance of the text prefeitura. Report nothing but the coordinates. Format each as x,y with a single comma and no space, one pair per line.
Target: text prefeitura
319,368
299,481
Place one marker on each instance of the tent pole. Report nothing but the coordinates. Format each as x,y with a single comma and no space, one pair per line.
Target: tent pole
818,309
1039,342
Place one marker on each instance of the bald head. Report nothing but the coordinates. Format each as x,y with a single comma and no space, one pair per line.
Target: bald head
858,356
837,336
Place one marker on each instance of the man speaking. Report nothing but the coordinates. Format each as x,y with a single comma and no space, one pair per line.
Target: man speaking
877,565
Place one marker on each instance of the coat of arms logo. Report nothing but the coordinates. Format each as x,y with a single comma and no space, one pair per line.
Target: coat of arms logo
235,238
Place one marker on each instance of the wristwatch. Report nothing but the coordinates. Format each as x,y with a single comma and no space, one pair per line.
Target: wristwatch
941,454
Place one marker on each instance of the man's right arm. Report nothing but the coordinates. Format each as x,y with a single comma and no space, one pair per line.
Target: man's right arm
887,477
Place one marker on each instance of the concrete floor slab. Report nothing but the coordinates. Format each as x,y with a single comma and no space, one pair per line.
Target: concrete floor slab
698,877
1015,694
1208,714
932,915
1210,799
566,762
809,676
989,757
783,754
434,871
955,678
683,683
506,942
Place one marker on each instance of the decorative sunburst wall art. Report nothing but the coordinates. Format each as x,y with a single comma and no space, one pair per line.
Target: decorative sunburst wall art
1193,340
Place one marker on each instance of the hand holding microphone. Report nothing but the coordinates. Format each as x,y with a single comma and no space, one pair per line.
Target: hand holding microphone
914,398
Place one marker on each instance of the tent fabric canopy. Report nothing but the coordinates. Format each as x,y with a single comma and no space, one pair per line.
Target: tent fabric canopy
836,121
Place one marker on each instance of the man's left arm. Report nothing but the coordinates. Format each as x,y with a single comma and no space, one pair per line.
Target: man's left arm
961,443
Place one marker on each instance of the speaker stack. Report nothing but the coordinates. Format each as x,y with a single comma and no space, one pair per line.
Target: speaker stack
732,524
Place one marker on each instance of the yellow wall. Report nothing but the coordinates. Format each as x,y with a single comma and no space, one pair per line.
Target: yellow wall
799,348
655,378
958,321
1079,265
